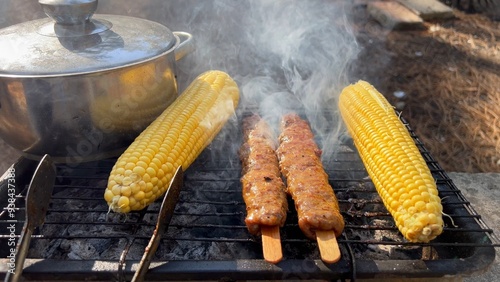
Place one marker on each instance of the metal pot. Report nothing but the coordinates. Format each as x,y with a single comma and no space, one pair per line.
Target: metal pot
83,87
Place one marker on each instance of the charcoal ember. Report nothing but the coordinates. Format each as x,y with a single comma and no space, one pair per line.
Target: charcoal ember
228,250
76,249
65,245
135,249
87,249
359,234
114,250
305,250
202,250
189,208
102,217
391,235
45,248
182,250
86,230
390,252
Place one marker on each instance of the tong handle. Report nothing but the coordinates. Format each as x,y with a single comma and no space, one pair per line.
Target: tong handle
164,217
21,251
37,202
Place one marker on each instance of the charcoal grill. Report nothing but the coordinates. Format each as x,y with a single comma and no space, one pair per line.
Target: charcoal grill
207,239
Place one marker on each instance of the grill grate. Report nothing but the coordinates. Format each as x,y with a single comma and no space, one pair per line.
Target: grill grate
207,238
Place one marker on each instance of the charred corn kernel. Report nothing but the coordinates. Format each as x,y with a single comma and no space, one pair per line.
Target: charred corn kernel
143,172
393,161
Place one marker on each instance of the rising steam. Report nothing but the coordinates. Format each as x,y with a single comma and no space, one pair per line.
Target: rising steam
285,55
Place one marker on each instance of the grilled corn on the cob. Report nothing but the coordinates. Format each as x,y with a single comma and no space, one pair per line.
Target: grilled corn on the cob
143,172
393,162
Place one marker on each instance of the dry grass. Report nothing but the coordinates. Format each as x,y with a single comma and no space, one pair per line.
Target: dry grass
450,73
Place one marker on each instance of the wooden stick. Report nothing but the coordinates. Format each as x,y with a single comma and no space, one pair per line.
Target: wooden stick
328,246
271,243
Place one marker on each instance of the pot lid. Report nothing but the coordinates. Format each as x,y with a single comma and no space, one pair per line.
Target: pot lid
73,41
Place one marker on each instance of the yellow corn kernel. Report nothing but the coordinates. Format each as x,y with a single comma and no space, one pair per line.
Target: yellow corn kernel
393,161
197,115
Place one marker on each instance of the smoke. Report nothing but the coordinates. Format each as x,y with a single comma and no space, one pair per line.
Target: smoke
285,55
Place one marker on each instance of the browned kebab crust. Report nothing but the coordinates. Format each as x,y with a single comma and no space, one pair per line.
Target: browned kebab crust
264,191
307,182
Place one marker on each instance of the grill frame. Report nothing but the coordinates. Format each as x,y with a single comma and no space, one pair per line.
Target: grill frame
478,240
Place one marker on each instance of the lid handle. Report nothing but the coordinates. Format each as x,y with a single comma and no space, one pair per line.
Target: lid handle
69,12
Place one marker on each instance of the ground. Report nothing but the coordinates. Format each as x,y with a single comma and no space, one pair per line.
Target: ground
448,75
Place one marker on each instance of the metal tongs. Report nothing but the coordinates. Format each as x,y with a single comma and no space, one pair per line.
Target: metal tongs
37,203
164,217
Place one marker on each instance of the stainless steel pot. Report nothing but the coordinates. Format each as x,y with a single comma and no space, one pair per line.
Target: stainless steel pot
83,87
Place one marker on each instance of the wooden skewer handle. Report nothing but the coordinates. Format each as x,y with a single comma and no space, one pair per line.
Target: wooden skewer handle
328,246
271,244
